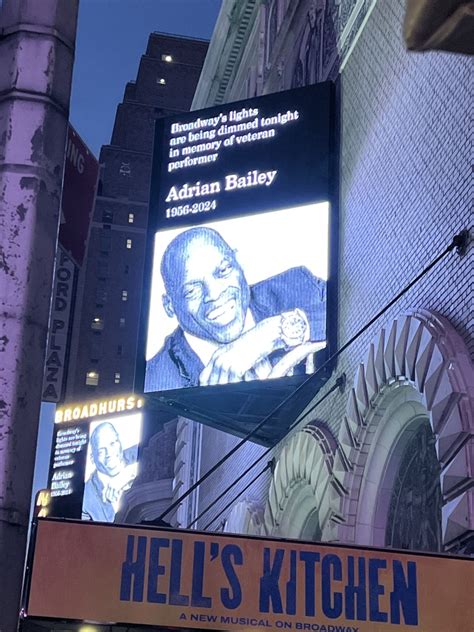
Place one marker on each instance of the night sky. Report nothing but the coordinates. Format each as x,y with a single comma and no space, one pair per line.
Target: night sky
111,37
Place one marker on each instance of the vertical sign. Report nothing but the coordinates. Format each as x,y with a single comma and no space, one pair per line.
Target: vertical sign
80,179
59,325
81,171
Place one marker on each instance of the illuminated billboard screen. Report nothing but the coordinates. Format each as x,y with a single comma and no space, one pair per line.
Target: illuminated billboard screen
241,220
94,458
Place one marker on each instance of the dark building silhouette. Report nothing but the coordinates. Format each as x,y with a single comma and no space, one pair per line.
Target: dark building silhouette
103,347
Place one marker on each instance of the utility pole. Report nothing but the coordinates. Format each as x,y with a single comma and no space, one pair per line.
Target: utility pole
37,40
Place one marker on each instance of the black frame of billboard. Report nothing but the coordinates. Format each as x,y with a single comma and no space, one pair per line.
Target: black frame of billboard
201,402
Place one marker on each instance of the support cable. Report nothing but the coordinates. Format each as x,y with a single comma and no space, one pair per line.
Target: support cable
458,241
336,386
267,467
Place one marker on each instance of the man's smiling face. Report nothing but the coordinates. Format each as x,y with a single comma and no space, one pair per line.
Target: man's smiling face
107,450
208,292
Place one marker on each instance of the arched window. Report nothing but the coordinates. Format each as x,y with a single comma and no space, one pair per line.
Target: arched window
272,27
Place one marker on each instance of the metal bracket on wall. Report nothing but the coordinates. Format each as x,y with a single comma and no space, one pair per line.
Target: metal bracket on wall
271,465
463,240
342,382
12,517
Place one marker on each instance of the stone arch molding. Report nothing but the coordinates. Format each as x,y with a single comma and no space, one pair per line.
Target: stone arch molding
302,485
246,516
422,350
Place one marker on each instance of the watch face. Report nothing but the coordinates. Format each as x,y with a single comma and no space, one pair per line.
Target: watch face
293,327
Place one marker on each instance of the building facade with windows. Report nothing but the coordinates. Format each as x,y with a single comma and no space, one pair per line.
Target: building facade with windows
104,340
387,460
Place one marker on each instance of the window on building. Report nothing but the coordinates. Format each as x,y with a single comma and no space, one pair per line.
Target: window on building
96,349
252,82
119,350
167,57
102,269
161,81
92,378
131,218
107,216
126,269
129,244
100,295
97,323
105,244
272,28
124,295
117,378
122,322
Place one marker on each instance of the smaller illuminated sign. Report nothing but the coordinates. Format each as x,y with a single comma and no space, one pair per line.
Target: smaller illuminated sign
94,457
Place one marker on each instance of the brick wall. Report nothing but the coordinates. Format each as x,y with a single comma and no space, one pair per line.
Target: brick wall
156,461
406,189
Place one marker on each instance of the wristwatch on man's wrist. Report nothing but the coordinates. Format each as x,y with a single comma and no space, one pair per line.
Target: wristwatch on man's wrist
294,328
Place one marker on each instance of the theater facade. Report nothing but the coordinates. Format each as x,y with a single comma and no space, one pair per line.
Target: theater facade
370,492
385,460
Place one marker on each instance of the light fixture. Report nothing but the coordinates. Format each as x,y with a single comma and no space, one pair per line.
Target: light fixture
161,81
92,374
167,58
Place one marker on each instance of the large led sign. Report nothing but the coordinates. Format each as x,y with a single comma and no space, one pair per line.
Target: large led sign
240,226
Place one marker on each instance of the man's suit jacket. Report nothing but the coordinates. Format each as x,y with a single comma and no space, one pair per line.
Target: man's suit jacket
93,506
176,365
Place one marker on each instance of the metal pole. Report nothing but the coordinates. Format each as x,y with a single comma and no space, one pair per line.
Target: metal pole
37,42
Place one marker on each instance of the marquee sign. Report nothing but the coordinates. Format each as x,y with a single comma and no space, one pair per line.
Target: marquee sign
161,577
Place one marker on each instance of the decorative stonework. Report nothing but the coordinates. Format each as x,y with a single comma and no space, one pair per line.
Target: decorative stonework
292,42
302,486
246,517
186,471
419,364
417,374
328,31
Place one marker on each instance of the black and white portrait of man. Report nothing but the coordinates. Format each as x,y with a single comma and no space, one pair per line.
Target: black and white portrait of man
112,466
234,321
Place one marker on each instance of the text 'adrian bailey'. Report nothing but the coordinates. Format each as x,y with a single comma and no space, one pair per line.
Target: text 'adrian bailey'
232,181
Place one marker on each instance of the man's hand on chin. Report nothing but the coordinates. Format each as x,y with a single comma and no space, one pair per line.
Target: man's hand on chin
232,361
